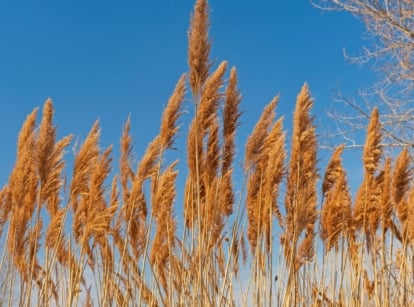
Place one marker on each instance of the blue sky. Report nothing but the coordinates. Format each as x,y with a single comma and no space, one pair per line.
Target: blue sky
105,60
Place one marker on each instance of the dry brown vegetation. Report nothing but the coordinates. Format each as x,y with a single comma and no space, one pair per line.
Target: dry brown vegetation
107,241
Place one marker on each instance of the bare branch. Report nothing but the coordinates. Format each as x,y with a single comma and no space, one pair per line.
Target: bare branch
390,28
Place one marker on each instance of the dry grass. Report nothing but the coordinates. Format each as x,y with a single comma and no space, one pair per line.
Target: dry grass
127,244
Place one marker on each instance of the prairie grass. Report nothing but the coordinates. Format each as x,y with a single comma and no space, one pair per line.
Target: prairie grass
282,237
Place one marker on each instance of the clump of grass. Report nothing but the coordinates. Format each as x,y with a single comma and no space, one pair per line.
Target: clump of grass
113,236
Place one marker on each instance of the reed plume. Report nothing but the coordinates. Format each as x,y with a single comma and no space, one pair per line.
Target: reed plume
134,209
336,214
171,114
231,116
372,147
400,186
23,195
255,142
168,130
333,170
264,164
83,166
254,151
50,160
211,214
100,211
401,176
300,201
53,234
85,161
198,47
50,164
202,160
125,163
92,215
163,242
210,98
273,166
367,208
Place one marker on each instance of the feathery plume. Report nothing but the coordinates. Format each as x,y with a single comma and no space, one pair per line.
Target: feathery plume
126,171
367,209
46,139
255,142
254,208
231,117
27,133
50,160
336,215
163,243
91,215
85,161
333,170
401,177
225,194
99,213
134,210
210,97
301,197
54,239
273,168
198,47
254,153
211,160
204,125
23,188
171,114
264,163
164,140
400,185
372,148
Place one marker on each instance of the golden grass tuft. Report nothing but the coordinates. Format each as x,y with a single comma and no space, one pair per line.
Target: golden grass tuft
400,186
256,155
23,193
372,148
336,213
203,159
301,196
199,47
163,242
126,236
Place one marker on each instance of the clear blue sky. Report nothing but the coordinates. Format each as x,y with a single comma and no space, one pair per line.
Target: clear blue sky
107,59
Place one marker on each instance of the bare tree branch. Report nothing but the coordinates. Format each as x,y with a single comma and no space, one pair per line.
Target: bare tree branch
390,25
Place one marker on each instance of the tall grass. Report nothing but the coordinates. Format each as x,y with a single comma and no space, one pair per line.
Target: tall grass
270,241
